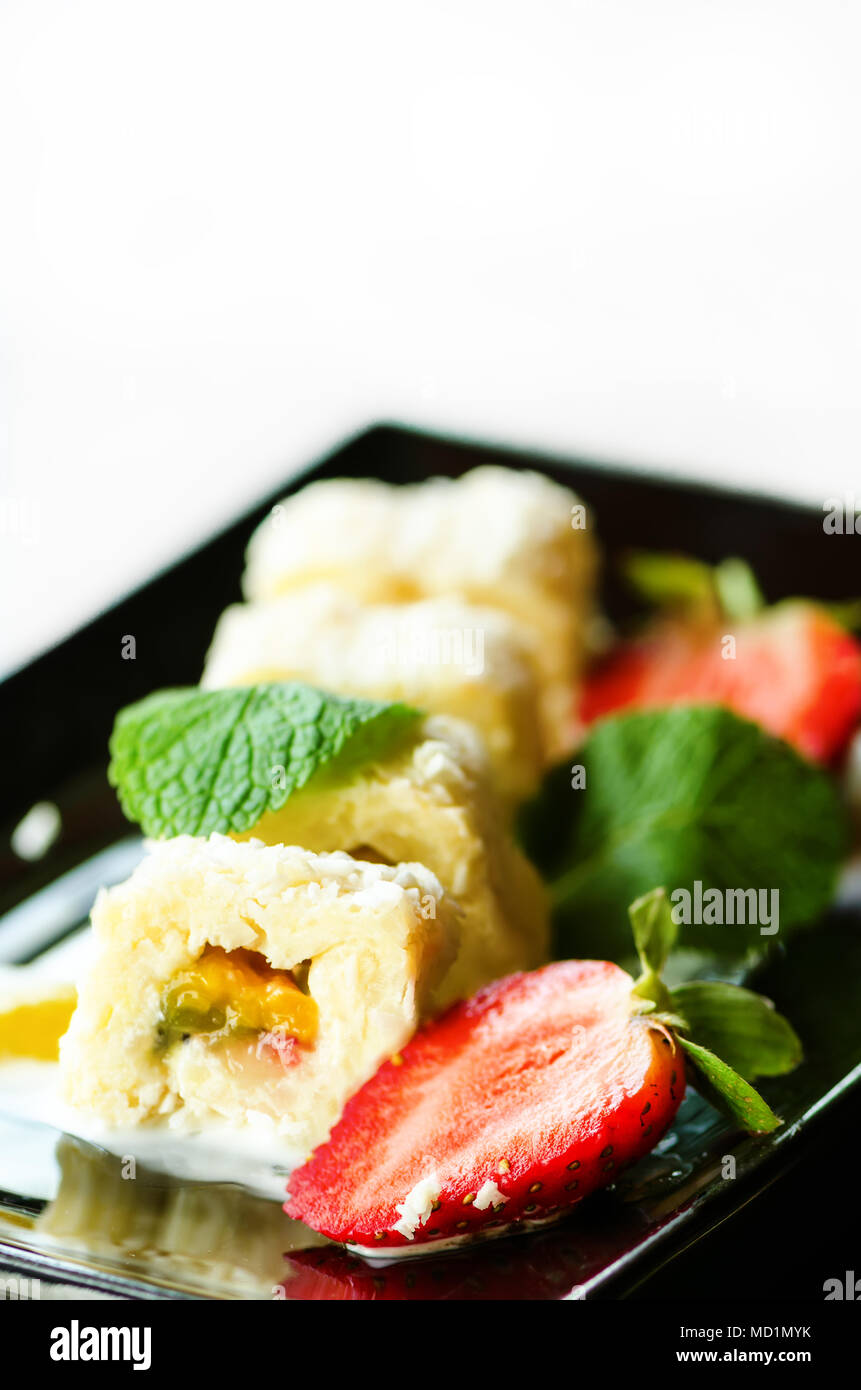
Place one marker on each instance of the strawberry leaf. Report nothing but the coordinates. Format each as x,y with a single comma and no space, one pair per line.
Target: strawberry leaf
740,1026
729,1092
738,593
654,930
669,580
655,934
845,612
682,583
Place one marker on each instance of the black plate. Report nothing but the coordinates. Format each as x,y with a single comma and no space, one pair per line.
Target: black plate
57,714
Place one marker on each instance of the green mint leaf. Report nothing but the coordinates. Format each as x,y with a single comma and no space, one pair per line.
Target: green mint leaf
686,796
189,762
743,1028
729,1092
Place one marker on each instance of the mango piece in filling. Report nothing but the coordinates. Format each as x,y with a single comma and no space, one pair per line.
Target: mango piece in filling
234,992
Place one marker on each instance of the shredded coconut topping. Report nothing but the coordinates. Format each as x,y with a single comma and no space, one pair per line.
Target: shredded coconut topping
489,1195
417,1206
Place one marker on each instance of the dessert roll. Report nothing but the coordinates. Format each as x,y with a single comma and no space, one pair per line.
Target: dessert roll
439,654
499,537
239,983
433,801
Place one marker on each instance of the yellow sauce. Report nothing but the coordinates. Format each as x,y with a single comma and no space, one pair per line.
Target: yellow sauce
34,1028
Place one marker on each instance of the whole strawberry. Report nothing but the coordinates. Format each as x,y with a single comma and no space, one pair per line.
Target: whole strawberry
519,1102
793,668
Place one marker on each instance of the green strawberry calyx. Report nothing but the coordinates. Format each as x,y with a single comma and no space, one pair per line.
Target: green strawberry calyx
693,588
729,1034
685,587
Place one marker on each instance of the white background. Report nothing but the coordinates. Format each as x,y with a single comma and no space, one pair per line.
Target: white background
231,233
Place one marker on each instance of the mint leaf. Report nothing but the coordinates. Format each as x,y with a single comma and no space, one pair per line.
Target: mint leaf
188,762
743,1028
680,796
729,1092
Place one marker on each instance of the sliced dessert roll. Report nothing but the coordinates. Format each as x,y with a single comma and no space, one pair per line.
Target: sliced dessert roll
498,537
441,654
431,801
243,983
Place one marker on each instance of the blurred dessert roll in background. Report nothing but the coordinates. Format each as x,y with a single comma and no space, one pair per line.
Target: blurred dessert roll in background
495,537
441,655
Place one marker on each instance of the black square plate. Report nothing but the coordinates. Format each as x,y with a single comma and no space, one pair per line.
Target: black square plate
74,1220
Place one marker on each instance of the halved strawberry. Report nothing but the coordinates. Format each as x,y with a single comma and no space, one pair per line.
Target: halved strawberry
516,1104
792,668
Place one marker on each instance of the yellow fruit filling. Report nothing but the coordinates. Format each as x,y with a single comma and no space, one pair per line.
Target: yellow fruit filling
234,992
33,1028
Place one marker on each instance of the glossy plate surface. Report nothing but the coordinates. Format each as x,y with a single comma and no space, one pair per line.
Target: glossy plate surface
68,1212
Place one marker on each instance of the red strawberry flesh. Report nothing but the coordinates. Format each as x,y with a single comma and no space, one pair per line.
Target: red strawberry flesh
795,671
543,1084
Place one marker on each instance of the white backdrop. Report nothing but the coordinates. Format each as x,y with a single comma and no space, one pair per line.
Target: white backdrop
232,232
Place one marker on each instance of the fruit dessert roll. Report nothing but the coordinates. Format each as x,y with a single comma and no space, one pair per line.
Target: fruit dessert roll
499,537
440,654
239,983
431,800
